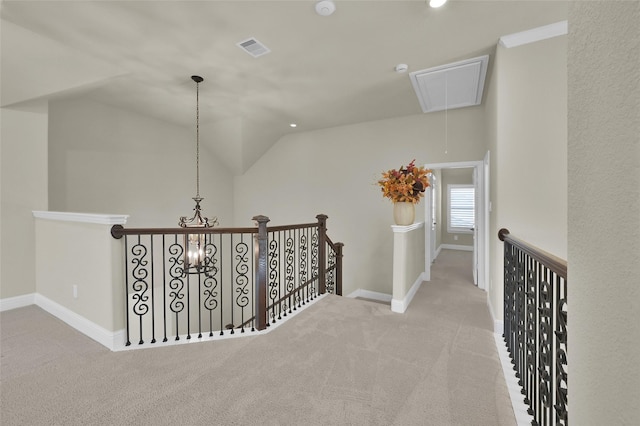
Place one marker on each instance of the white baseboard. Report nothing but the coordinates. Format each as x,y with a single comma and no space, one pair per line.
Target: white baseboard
400,306
438,251
498,325
9,303
373,295
517,399
113,340
455,247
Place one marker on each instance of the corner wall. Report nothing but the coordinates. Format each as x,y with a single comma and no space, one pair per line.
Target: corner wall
527,129
111,161
334,171
604,213
23,188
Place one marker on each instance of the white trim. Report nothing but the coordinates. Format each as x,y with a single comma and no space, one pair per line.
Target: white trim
517,399
408,228
9,303
113,340
102,219
455,247
400,306
373,295
535,34
438,250
498,325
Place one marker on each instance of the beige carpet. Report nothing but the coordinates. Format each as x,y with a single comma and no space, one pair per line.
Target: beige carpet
340,362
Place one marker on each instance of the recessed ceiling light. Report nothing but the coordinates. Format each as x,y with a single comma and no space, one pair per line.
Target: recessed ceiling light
293,125
437,3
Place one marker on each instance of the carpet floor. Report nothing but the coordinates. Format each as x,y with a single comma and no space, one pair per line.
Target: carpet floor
341,361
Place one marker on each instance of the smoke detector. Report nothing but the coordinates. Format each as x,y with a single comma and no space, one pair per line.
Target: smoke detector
325,7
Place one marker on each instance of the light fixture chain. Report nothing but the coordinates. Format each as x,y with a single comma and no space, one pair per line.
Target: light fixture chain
197,140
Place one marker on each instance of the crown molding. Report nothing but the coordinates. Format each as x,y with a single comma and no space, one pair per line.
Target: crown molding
101,219
535,34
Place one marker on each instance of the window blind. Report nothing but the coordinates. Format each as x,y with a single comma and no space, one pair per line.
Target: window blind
461,207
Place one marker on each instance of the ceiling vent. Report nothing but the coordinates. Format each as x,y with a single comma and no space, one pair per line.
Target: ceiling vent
253,47
450,86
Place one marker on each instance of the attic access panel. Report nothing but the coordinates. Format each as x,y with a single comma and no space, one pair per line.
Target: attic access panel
455,85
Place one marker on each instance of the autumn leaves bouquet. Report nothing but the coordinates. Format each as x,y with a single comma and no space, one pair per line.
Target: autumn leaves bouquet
406,184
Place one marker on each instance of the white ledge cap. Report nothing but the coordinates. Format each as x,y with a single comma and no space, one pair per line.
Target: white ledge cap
407,228
102,219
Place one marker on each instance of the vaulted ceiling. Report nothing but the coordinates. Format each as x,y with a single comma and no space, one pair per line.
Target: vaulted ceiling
322,71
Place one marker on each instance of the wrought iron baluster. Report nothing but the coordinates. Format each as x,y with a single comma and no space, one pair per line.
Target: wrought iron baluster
153,300
315,263
211,280
302,269
331,271
545,348
531,333
126,287
241,280
274,281
176,283
290,271
164,287
140,285
561,353
221,285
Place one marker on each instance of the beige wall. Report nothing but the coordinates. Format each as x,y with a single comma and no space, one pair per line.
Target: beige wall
527,114
106,160
334,171
604,213
84,255
23,188
453,177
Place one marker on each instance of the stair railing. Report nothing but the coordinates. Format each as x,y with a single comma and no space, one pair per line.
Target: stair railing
535,327
244,280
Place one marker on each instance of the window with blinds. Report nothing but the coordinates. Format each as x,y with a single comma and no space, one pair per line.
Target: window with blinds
461,206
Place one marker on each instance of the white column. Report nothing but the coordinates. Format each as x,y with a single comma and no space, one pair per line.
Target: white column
408,263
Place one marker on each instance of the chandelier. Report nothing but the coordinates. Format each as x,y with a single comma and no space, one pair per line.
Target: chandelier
197,251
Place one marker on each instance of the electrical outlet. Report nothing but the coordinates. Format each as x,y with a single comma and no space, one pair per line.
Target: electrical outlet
455,237
75,291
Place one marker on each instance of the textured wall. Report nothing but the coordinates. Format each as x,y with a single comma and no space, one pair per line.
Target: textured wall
604,213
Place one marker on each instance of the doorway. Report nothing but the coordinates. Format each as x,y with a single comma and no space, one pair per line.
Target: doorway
475,237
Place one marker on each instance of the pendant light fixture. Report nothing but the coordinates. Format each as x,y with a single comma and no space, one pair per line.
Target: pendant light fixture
195,245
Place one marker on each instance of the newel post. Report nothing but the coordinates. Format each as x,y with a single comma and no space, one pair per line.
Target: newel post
322,253
339,268
260,303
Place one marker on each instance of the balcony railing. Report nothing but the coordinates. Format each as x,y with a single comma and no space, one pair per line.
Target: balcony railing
238,280
535,327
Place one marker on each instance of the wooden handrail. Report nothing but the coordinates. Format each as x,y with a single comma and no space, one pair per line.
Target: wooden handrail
117,231
554,263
